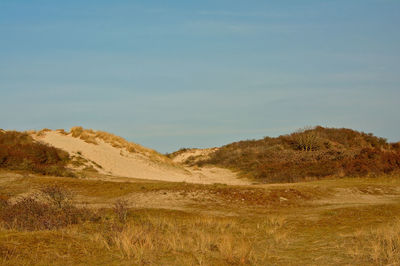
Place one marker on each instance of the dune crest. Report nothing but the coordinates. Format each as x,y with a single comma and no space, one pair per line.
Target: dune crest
117,157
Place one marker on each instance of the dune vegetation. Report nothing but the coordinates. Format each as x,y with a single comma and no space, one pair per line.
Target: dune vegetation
19,151
93,136
69,221
312,153
50,218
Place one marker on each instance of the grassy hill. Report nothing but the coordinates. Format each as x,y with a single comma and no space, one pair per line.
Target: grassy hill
308,154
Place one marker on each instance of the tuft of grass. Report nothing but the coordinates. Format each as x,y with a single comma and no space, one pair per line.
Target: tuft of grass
380,246
62,131
76,131
42,132
199,239
121,210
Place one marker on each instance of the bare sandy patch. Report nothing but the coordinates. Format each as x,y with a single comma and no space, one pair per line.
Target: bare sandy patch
120,162
183,156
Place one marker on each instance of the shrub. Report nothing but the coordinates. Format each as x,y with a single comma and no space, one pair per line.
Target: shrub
330,152
51,209
373,161
19,151
57,195
3,201
306,140
121,210
31,214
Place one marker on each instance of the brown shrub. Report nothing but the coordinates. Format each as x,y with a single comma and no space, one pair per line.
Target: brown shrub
30,214
396,146
373,161
3,201
121,210
52,208
306,140
19,151
309,154
57,195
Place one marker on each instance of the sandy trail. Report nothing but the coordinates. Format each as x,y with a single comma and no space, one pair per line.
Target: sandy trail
119,162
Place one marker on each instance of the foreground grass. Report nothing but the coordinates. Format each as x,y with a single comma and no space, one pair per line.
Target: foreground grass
176,238
148,237
250,233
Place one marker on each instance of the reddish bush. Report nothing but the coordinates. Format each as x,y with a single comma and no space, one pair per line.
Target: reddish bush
57,195
52,212
373,161
19,151
312,153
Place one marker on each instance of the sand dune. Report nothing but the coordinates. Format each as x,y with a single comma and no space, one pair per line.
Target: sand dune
121,162
192,154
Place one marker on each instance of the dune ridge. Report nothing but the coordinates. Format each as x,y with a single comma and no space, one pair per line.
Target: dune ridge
117,157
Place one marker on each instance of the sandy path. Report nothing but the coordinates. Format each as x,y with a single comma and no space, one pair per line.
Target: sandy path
119,162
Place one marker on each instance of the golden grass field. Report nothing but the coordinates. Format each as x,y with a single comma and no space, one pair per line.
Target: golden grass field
349,221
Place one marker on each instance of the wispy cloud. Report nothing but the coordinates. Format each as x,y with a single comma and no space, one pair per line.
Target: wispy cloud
243,14
223,27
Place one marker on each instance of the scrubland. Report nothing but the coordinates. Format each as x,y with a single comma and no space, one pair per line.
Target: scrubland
344,211
307,154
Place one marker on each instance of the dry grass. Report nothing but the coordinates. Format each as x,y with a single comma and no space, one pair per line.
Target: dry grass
62,131
277,196
199,240
235,233
42,132
150,238
380,246
92,136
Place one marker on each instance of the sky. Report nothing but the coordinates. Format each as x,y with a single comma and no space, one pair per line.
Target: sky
174,74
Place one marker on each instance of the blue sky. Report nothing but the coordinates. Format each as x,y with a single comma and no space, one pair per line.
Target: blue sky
172,74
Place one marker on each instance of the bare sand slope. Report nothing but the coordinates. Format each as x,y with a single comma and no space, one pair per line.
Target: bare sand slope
119,162
193,154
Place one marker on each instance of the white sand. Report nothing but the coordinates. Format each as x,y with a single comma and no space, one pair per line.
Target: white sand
119,162
194,153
